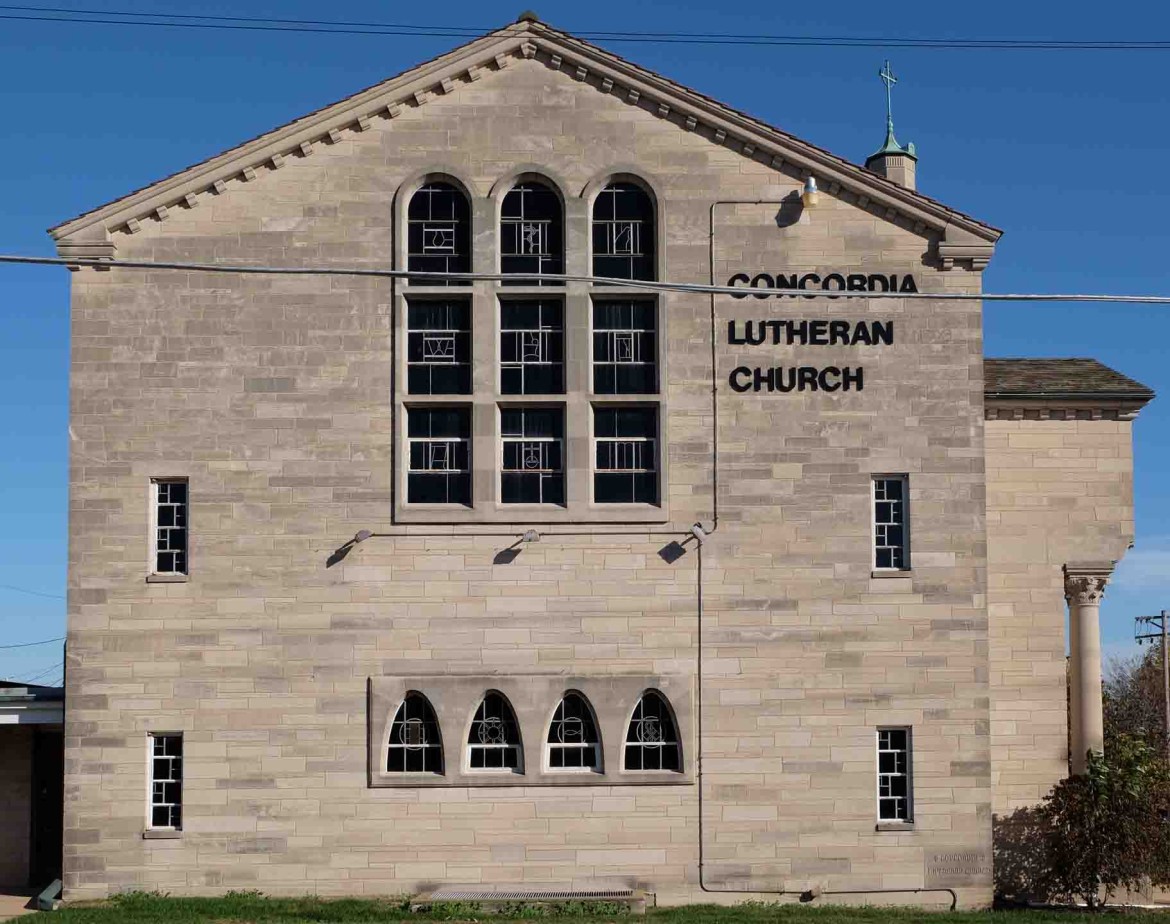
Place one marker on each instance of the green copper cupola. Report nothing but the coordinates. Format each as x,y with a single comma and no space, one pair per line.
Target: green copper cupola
892,160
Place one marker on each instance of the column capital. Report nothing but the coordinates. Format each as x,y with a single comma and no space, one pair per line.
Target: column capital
1084,582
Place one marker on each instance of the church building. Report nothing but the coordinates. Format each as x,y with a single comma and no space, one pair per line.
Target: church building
479,486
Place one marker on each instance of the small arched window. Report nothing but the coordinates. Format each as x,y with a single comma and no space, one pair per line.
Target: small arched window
415,744
493,743
573,742
623,233
438,236
652,738
531,232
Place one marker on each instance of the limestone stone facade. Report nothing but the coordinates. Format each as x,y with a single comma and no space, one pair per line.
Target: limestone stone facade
280,399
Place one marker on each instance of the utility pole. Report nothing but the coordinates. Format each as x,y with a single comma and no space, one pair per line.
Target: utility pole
1150,627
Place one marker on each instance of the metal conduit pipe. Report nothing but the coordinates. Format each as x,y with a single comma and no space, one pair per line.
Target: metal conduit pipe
805,895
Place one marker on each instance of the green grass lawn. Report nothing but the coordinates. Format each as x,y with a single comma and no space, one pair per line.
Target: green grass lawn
252,908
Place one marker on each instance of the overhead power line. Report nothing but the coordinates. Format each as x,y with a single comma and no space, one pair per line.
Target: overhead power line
643,285
31,593
344,27
51,670
47,641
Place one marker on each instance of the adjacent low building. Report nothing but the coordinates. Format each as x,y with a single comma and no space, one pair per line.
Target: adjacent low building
548,576
31,767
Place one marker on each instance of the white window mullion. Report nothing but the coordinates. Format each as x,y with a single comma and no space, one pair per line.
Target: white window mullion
166,781
891,523
894,777
169,526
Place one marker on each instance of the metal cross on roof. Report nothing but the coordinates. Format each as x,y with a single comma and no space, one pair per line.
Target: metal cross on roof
889,80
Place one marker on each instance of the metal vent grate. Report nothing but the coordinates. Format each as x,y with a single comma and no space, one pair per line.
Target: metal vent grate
457,893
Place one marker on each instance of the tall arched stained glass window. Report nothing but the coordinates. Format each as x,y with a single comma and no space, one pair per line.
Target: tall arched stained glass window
652,738
623,232
438,236
493,743
531,232
573,742
415,744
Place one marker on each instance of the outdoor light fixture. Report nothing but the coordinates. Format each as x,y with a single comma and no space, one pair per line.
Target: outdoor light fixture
810,195
361,536
699,533
530,535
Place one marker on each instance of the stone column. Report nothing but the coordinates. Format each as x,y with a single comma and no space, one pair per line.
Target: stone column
1084,586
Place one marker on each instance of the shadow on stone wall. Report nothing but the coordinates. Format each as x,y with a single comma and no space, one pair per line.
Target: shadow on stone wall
1019,844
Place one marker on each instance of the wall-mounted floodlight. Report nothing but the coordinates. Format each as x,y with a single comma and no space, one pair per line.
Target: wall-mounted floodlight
361,536
699,533
530,535
810,195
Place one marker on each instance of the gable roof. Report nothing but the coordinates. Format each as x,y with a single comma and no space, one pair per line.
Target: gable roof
1059,389
1058,378
963,238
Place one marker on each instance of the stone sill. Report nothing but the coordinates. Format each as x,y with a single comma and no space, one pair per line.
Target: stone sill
891,573
895,826
586,515
167,578
162,834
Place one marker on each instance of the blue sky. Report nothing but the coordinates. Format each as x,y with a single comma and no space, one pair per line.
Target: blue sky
1064,150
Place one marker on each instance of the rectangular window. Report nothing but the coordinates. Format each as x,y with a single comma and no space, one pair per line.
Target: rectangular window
438,349
625,443
624,348
533,455
891,527
894,775
170,525
532,348
166,781
439,455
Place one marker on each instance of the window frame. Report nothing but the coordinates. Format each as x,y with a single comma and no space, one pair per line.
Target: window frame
438,744
626,744
151,737
908,774
533,697
652,334
648,227
874,546
468,232
153,572
517,746
503,439
656,440
554,232
469,333
521,365
486,391
598,746
409,441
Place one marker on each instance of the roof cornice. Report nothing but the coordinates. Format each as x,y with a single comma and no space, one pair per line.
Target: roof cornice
386,100
1095,406
962,239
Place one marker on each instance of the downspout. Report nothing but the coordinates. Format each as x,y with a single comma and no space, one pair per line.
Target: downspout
700,534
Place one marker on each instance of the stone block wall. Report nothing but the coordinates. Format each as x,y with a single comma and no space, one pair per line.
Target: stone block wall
1057,491
275,397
